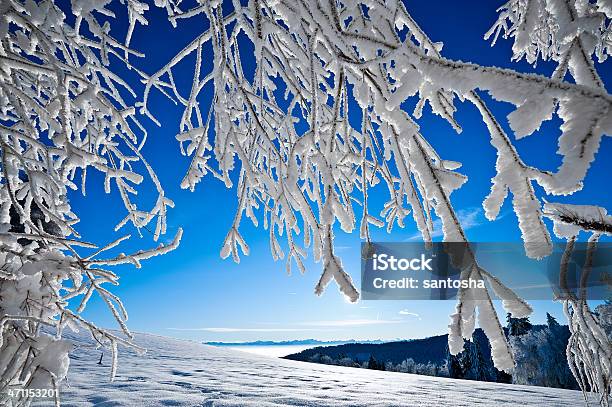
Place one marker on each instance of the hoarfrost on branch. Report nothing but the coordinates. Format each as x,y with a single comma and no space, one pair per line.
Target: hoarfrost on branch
304,163
62,115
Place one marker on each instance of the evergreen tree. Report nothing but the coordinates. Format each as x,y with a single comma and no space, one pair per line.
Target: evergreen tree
603,313
552,322
469,364
372,363
541,356
518,326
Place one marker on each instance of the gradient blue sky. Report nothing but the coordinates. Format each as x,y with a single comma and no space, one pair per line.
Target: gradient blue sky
192,293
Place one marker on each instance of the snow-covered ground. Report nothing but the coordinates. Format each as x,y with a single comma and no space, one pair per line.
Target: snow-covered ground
272,350
182,373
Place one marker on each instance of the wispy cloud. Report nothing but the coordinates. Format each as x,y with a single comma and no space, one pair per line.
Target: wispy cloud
469,218
230,329
406,312
298,327
533,287
349,322
342,248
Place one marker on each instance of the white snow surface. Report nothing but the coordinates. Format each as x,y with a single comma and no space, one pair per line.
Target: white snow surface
182,373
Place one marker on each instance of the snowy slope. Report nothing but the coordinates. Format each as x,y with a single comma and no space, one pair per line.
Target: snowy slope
182,373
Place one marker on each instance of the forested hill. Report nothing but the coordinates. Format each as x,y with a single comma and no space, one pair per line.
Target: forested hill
539,351
426,350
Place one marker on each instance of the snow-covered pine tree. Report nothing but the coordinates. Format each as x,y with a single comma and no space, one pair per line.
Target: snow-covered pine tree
540,357
302,166
62,114
604,316
552,322
518,326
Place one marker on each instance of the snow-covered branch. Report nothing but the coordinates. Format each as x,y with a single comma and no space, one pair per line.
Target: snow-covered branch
589,350
63,112
302,166
570,33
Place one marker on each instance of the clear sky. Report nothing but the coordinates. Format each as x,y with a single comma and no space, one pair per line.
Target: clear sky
192,293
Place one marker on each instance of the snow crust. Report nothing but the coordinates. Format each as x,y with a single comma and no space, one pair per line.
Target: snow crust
183,373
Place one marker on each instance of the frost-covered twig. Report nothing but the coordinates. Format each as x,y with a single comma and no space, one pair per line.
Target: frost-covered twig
301,164
63,112
571,33
589,350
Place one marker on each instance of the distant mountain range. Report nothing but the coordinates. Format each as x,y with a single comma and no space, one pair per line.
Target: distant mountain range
294,342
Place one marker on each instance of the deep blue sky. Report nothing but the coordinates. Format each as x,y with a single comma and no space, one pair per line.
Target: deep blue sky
192,293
